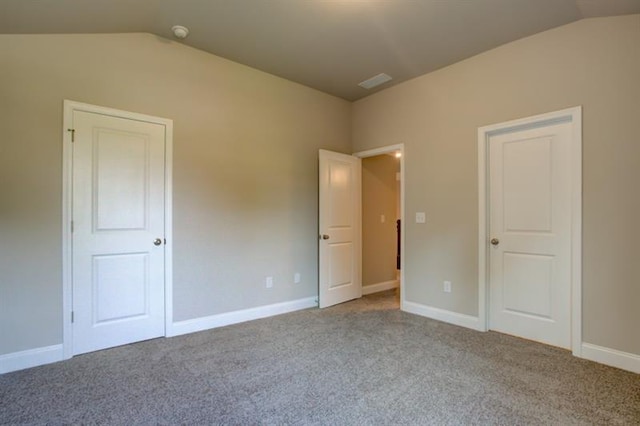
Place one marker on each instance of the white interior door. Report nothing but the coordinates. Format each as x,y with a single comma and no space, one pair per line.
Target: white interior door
340,229
530,233
118,231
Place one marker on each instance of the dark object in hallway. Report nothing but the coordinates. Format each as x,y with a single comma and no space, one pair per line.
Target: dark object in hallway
398,244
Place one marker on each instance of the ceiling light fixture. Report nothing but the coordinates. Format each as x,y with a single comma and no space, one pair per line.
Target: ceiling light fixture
179,31
374,81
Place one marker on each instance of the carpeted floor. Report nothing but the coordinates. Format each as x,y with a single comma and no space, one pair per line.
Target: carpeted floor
359,363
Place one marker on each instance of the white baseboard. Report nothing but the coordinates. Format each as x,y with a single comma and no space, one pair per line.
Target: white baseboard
450,317
30,358
235,317
39,356
614,358
374,288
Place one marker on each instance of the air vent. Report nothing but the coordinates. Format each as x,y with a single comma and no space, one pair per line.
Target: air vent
374,81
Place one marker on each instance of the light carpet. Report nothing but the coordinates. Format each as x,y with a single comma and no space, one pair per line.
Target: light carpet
359,363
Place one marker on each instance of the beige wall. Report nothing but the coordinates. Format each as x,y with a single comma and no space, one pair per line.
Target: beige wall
245,176
594,63
245,171
379,197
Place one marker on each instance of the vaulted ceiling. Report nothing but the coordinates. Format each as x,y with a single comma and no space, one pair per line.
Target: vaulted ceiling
330,45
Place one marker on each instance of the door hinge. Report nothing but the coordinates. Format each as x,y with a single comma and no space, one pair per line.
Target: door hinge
73,134
72,317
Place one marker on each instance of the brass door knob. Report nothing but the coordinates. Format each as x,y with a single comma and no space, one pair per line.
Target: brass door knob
495,241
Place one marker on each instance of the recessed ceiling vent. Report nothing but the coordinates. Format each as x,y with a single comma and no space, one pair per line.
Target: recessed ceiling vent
374,81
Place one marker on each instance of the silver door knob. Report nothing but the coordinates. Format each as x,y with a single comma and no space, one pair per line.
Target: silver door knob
495,241
325,237
157,241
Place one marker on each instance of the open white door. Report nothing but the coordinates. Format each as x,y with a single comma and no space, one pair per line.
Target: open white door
339,244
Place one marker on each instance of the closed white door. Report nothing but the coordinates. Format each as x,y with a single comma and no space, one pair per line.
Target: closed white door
530,233
340,230
118,231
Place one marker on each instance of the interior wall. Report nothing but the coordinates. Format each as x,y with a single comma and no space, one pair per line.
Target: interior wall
244,171
379,238
594,63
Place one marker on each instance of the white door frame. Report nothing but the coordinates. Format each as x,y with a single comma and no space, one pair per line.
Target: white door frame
386,150
570,115
67,209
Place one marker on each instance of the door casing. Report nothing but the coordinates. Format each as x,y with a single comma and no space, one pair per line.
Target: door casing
386,150
570,115
67,209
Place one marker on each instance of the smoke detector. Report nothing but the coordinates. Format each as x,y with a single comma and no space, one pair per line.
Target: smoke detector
374,81
179,31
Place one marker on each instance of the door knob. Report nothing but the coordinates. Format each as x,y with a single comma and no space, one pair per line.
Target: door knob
495,241
157,241
325,237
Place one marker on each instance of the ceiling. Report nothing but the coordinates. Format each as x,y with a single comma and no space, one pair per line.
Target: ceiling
330,45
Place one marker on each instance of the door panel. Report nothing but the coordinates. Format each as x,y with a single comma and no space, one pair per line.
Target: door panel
527,185
530,219
341,264
121,287
527,284
120,181
118,212
339,223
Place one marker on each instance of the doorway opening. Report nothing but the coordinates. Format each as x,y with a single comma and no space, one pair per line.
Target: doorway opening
382,221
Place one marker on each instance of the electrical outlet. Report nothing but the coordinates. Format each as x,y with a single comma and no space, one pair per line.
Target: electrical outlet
296,278
421,217
268,282
447,286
